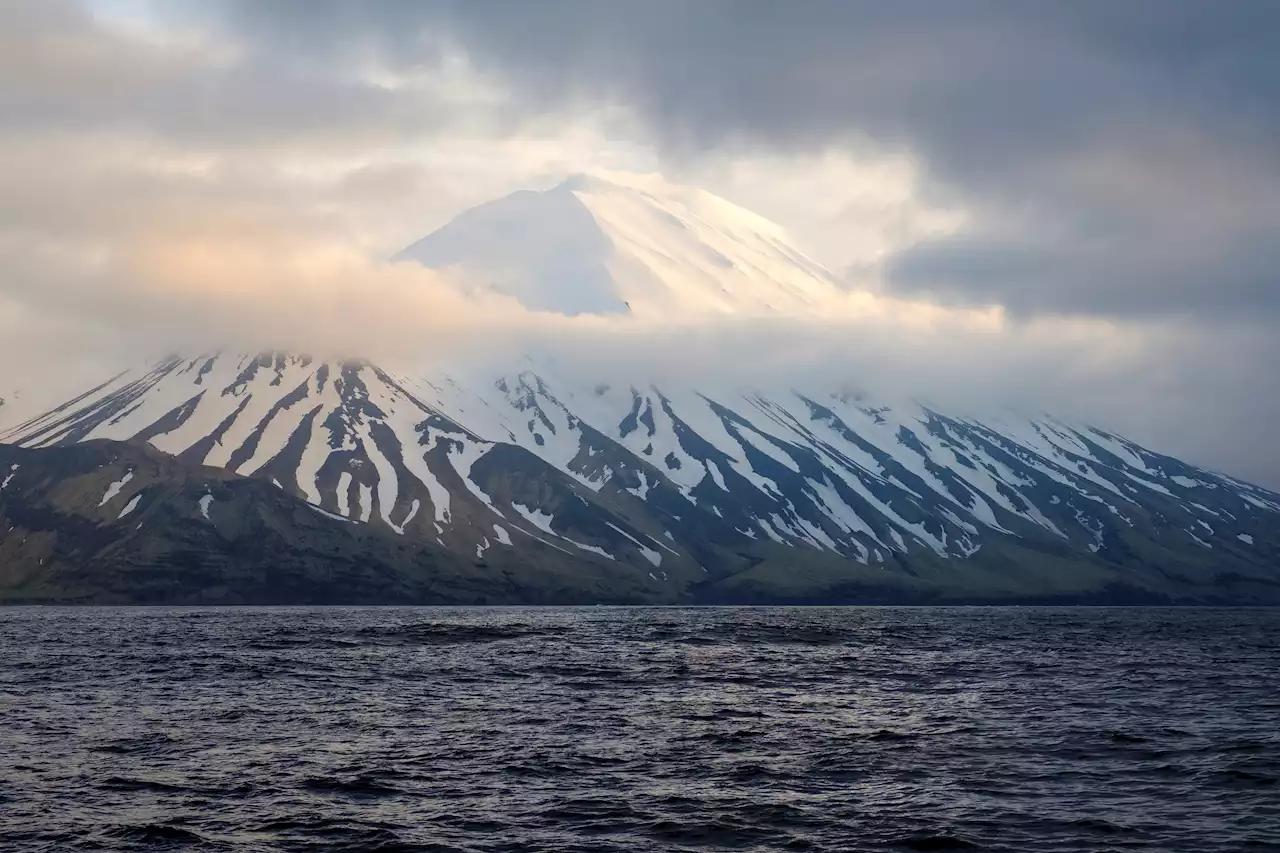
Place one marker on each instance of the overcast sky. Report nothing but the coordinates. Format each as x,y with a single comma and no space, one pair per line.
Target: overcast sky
1105,176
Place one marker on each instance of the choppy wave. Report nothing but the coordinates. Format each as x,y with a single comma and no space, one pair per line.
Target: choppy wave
600,729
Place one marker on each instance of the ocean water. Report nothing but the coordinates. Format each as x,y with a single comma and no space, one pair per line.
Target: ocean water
602,729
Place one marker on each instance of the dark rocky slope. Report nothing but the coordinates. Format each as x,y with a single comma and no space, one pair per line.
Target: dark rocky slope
198,535
121,523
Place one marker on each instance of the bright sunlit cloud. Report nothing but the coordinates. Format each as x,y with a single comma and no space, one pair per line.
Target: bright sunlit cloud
227,174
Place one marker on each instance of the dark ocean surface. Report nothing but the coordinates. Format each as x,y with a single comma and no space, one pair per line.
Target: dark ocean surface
602,729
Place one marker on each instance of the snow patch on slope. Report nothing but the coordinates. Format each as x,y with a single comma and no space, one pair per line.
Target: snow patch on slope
114,488
130,506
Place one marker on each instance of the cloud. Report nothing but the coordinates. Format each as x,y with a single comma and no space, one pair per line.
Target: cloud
250,259
63,69
1062,208
1085,117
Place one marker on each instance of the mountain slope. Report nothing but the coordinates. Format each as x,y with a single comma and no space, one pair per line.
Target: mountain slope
722,498
672,491
113,523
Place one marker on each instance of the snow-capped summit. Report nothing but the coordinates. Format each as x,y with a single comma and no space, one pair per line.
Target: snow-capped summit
598,244
621,488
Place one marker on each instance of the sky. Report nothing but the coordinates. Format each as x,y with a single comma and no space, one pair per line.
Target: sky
1102,178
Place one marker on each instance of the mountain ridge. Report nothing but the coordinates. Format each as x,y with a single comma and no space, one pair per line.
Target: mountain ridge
684,491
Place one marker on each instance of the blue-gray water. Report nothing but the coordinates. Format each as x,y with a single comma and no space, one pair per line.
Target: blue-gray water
602,729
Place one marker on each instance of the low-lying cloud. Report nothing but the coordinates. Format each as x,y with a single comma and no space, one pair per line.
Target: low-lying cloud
171,185
206,261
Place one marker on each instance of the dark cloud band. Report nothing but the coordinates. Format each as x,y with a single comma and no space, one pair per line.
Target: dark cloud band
1013,106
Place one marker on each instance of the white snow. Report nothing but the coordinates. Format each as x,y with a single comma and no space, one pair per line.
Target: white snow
1198,540
641,491
130,506
205,502
501,532
466,458
13,469
1260,504
1245,538
388,482
439,495
413,511
592,548
114,488
835,508
344,494
716,476
257,406
328,514
366,502
648,553
542,521
1155,487
538,518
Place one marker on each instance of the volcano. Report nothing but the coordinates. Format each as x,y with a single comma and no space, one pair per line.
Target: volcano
275,477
